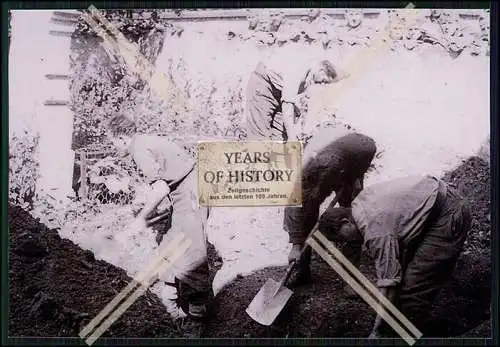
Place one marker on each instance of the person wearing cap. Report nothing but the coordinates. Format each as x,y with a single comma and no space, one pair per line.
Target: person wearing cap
170,171
339,167
333,159
414,228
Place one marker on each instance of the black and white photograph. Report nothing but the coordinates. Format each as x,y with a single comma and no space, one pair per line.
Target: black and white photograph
107,108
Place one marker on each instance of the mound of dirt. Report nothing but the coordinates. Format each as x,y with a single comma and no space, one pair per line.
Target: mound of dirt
322,309
473,180
480,331
56,288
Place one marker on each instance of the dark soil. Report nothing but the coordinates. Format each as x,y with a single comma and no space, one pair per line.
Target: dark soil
472,178
322,308
56,288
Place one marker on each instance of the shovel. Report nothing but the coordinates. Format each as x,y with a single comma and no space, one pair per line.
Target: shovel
273,296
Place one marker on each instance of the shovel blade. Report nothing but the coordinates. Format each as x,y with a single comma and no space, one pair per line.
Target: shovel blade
269,302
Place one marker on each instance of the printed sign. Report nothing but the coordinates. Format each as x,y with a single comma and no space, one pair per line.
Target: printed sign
256,173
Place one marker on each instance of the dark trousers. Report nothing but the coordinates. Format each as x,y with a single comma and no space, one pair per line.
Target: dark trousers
430,263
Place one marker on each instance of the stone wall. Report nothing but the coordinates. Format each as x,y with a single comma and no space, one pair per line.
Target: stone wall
210,61
101,86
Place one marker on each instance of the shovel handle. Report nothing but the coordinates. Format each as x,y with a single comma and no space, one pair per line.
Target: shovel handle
157,218
292,265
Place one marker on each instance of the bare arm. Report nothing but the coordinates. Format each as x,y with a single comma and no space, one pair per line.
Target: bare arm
144,158
288,102
292,129
358,186
391,294
160,189
351,191
385,250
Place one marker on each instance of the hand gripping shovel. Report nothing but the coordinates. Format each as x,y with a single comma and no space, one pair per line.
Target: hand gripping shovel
273,296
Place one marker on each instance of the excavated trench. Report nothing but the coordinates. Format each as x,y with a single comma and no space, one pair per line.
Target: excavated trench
56,287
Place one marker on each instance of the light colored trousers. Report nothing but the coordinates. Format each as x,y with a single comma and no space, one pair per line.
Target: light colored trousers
191,219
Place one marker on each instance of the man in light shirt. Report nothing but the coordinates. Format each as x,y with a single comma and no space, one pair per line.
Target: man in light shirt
414,228
171,172
272,108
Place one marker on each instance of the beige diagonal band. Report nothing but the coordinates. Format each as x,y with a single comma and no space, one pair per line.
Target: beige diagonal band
171,253
182,248
136,61
380,44
384,308
134,283
371,288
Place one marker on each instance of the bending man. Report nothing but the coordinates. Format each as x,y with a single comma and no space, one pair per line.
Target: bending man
171,171
341,164
414,228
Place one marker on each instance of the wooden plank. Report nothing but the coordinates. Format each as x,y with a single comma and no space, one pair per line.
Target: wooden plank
469,16
66,22
83,177
56,103
245,13
67,14
218,14
229,14
57,76
206,14
97,153
61,33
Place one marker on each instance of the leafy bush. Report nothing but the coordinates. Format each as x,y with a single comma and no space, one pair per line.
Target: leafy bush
102,85
23,169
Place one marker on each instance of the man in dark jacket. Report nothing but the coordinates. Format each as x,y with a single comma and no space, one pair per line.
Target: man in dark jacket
341,164
415,228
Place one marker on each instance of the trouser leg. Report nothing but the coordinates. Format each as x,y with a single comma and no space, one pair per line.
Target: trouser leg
191,270
433,261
